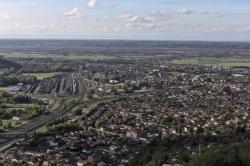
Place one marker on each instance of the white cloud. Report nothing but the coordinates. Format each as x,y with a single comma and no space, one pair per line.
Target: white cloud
215,14
154,20
150,18
74,13
184,11
35,27
151,26
245,29
17,24
124,16
4,15
92,3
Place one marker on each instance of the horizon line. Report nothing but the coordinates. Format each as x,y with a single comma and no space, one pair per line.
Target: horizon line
142,40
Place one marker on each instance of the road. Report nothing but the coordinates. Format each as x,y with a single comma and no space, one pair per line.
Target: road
17,134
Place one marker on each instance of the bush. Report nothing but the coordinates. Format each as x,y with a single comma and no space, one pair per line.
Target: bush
226,155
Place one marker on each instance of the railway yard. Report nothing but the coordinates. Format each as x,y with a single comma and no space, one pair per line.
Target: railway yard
62,84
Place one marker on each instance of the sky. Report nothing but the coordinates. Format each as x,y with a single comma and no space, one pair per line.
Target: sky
219,20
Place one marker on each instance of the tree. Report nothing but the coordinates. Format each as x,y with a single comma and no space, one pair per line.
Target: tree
98,124
227,155
77,112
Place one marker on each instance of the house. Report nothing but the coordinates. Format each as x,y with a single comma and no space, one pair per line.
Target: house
113,148
45,163
15,118
81,163
133,133
52,143
101,163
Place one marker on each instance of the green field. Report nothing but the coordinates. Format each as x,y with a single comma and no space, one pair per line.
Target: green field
3,89
41,76
76,56
20,105
65,57
88,57
129,57
227,62
8,123
3,70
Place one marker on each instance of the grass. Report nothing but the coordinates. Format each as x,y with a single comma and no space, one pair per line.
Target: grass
57,56
3,89
3,70
88,57
8,123
227,62
77,56
20,105
23,107
140,56
41,76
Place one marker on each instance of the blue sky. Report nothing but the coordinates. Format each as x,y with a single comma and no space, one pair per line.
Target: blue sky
226,20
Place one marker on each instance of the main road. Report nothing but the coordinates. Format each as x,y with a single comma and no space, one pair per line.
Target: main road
8,138
65,106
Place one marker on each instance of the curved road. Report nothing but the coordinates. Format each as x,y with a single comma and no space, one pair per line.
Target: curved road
17,134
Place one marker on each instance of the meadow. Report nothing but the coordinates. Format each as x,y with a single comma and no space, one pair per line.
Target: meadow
3,89
58,56
40,76
212,61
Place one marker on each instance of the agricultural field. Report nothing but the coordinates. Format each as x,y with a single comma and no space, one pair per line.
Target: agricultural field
40,76
129,57
88,57
227,62
58,56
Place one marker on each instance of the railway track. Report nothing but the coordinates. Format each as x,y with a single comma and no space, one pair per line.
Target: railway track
18,134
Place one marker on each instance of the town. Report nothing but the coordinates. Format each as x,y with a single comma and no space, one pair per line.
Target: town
110,110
